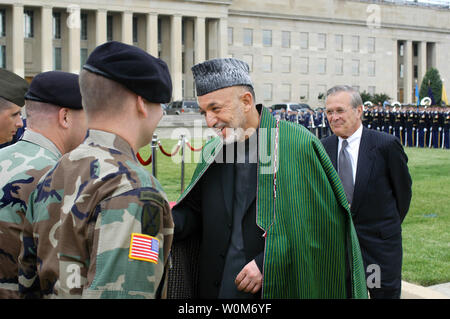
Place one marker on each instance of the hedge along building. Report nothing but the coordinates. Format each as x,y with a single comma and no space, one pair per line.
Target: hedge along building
296,49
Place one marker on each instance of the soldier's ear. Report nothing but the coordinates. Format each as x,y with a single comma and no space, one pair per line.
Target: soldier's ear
63,117
141,107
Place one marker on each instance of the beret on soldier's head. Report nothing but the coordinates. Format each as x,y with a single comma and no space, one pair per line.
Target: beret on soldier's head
12,87
217,74
134,68
57,88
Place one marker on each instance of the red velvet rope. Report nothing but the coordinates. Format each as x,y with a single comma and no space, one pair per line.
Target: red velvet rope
166,153
145,163
193,149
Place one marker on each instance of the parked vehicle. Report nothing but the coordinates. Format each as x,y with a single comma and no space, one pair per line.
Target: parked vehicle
289,107
182,107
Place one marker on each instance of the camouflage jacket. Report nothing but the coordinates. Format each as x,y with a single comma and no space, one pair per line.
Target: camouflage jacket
87,215
21,166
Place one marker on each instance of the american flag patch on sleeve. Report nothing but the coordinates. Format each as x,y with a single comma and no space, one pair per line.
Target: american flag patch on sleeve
144,247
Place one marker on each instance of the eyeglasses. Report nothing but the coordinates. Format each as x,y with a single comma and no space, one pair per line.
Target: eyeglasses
337,112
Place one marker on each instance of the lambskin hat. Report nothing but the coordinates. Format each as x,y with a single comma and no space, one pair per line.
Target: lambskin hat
134,68
217,74
57,88
12,87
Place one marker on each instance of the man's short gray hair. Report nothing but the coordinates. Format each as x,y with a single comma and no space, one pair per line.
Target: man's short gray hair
356,98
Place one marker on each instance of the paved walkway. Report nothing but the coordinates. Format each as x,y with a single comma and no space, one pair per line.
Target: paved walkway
412,291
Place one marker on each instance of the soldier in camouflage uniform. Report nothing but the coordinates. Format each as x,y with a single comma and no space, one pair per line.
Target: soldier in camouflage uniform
105,220
12,90
56,125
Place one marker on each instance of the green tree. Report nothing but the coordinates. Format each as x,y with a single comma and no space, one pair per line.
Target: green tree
432,79
365,96
380,98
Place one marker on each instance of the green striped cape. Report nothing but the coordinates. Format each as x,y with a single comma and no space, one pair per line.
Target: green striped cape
309,227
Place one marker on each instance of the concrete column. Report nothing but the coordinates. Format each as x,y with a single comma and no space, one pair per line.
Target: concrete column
17,65
408,73
176,56
127,27
73,41
395,66
100,27
200,45
46,38
213,39
188,58
152,34
222,50
422,62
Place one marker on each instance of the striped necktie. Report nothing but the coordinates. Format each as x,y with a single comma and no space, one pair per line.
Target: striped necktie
345,171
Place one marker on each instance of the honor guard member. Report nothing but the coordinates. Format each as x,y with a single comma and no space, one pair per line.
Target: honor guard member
376,119
56,125
435,129
387,126
110,223
422,128
398,128
367,117
410,130
446,126
12,91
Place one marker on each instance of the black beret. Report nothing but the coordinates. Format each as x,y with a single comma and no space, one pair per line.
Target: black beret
12,87
57,88
134,68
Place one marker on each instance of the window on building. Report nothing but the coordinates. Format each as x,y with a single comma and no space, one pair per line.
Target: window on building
109,28
355,67
267,89
286,64
56,25
248,58
416,71
57,65
83,56
304,65
135,30
371,90
2,23
371,45
401,49
230,36
322,41
339,66
2,56
304,92
355,43
267,38
321,91
371,68
84,26
248,36
267,63
401,69
304,40
285,39
339,42
28,16
321,65
286,92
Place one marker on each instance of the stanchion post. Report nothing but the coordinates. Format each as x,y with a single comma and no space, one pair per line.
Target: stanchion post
183,142
154,149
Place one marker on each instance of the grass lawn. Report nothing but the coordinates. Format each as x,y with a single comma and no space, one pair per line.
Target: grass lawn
426,228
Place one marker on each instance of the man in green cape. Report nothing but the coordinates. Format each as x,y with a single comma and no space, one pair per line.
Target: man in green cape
265,206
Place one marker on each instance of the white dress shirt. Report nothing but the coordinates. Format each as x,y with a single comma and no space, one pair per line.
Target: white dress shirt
352,148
